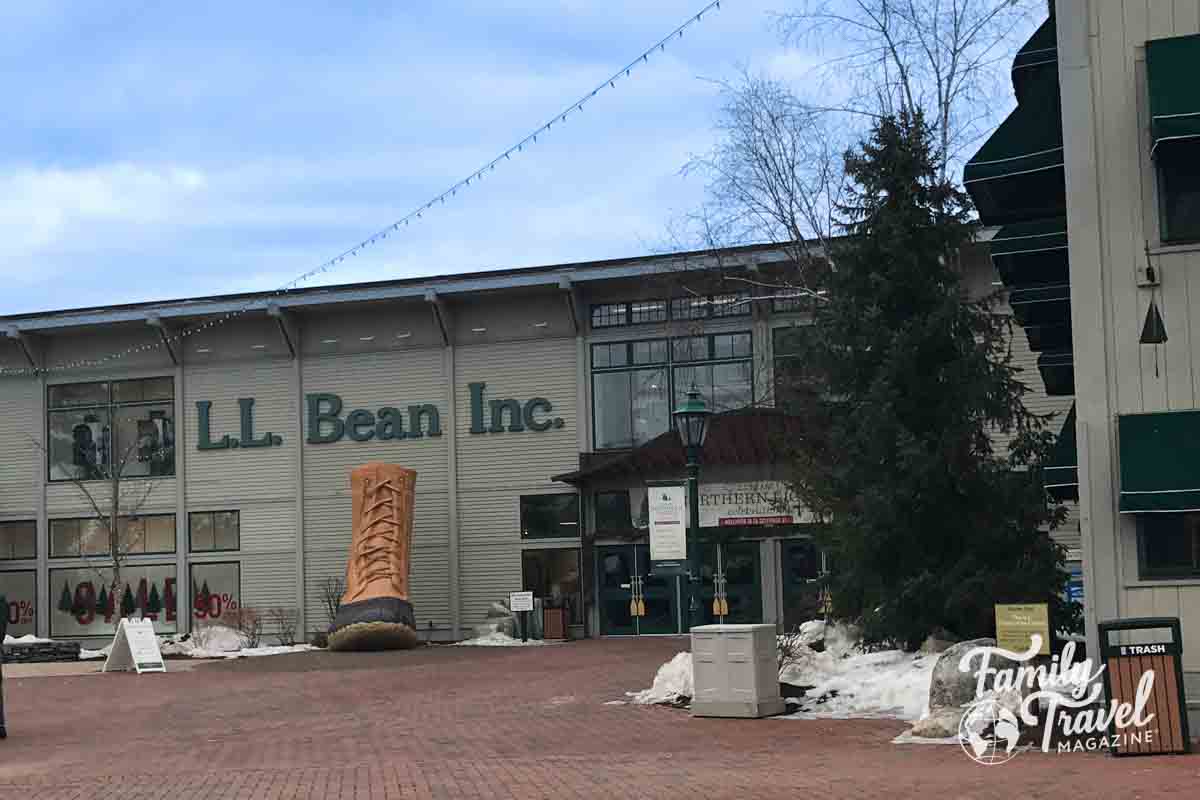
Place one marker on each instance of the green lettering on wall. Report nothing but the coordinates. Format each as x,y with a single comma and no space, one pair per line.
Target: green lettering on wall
513,408
203,437
477,407
323,409
246,408
390,424
531,408
432,422
360,425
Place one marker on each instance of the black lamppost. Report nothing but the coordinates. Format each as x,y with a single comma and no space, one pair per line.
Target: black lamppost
691,419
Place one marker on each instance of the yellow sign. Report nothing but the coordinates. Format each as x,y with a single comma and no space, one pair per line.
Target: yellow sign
1016,624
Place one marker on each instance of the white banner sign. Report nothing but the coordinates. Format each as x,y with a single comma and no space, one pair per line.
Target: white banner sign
749,503
667,506
135,647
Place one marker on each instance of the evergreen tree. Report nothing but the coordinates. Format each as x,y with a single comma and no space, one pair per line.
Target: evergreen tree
907,380
65,600
102,602
128,605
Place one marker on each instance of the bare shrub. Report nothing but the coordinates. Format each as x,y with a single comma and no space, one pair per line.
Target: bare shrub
285,621
246,621
790,645
331,590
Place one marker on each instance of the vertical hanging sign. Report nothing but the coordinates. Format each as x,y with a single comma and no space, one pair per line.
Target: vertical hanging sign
667,507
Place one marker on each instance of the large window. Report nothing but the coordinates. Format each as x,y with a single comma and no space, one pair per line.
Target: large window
216,590
18,540
96,429
20,594
85,604
88,536
636,384
612,511
789,369
1168,546
549,516
214,530
1178,165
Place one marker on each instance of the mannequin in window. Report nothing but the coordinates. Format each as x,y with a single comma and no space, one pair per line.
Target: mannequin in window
87,449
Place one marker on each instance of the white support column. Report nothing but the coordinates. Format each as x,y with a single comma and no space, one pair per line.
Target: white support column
183,578
451,431
41,597
298,437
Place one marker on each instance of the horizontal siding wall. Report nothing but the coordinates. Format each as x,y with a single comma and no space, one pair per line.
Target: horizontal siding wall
372,381
22,459
495,469
1169,601
65,499
236,476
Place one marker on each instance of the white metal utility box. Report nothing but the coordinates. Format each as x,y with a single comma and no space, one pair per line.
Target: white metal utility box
735,670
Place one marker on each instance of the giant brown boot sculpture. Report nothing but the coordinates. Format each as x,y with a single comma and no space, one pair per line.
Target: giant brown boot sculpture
375,613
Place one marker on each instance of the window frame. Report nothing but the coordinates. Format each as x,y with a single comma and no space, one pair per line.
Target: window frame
4,559
212,514
53,610
521,499
110,408
1172,152
36,585
1147,573
106,555
192,588
669,366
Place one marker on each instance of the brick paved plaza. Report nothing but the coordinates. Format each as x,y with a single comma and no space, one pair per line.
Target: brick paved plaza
451,722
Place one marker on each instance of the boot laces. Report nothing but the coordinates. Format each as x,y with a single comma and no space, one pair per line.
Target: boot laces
380,531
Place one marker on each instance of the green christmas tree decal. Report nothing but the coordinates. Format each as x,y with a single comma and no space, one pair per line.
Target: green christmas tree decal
102,603
169,599
127,603
153,603
203,597
110,607
65,602
142,595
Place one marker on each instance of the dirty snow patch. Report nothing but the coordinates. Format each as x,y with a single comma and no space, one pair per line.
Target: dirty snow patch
672,684
28,638
498,639
848,684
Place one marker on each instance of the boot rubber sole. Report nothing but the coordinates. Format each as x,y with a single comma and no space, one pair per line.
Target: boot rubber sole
373,636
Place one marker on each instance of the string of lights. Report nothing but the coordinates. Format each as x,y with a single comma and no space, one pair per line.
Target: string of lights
395,227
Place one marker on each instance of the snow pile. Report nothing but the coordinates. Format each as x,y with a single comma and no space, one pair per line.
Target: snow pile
28,638
846,682
498,639
889,683
672,684
212,641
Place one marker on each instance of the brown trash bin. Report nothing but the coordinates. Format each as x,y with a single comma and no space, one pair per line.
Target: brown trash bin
1125,664
554,624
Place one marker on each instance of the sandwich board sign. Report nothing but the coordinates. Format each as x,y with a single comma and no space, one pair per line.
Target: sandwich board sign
135,647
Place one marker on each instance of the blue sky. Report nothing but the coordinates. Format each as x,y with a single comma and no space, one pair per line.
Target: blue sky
170,150
160,150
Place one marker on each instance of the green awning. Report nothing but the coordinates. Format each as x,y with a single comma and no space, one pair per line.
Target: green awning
1160,461
1027,253
1174,93
1038,54
1041,305
1049,337
1058,372
1018,173
1061,471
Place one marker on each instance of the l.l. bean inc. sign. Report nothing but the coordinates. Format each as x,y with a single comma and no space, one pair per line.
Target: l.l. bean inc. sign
328,420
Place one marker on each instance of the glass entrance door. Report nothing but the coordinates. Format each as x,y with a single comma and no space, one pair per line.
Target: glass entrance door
801,591
743,582
618,566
